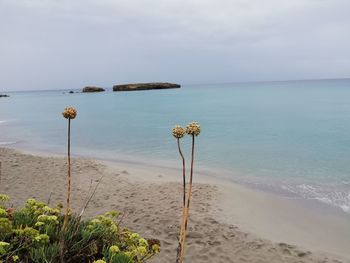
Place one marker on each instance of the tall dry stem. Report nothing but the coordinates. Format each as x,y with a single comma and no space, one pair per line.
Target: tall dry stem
180,246
68,181
188,202
68,113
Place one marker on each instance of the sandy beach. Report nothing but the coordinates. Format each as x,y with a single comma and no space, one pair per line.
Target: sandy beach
228,222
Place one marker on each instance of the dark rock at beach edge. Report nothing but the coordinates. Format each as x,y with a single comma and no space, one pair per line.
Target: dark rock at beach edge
4,96
145,86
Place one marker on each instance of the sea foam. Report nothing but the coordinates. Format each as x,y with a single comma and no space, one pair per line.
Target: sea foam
337,196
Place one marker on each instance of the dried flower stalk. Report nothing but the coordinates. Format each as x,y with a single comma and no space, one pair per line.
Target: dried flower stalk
68,113
193,129
188,203
179,132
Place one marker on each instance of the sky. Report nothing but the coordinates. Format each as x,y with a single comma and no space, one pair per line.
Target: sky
68,44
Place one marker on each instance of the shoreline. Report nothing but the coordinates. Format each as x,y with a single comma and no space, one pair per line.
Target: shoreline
254,213
270,186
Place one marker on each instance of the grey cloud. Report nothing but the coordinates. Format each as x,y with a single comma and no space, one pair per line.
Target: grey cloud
67,44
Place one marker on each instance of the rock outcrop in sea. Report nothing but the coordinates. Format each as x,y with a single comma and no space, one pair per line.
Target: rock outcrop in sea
93,89
4,96
145,86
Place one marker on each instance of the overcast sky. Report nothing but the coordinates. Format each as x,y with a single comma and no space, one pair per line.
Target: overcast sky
67,44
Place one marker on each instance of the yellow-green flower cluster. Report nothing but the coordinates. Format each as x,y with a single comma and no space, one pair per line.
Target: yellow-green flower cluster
137,253
5,228
141,251
135,248
4,198
3,247
42,239
34,207
134,236
69,113
143,242
47,219
106,221
37,208
178,132
3,212
99,261
193,128
28,232
138,247
32,234
114,249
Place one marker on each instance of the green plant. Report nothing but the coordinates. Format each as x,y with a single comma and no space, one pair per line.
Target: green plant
35,233
48,253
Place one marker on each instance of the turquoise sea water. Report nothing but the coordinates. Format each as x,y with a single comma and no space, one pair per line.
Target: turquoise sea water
289,137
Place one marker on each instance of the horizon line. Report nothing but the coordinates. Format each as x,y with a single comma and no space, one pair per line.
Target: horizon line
198,84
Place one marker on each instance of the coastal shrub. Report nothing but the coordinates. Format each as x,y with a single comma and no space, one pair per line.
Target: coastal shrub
35,232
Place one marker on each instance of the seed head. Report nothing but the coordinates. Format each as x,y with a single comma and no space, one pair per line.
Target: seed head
178,132
69,113
193,128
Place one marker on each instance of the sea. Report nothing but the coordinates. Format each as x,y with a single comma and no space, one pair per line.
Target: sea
288,137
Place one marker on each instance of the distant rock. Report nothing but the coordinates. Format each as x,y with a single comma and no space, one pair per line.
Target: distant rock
4,96
145,86
92,89
71,92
